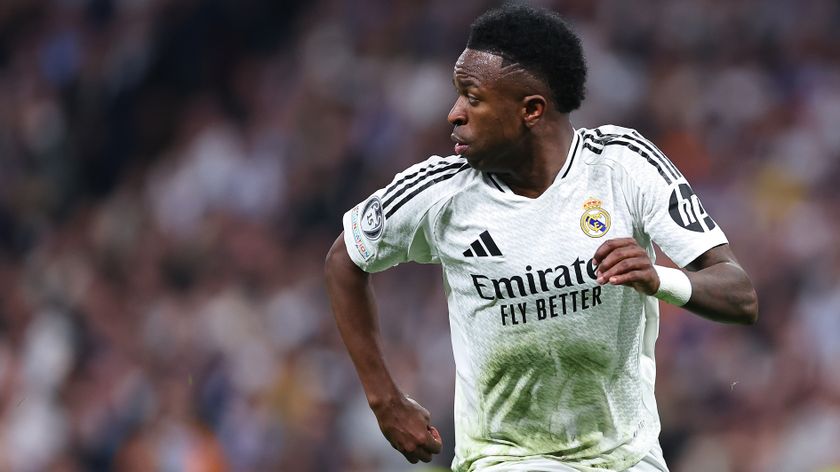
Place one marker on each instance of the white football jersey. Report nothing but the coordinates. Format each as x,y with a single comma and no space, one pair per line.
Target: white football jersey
548,363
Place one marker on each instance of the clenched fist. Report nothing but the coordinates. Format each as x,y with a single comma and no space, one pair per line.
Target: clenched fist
405,425
622,261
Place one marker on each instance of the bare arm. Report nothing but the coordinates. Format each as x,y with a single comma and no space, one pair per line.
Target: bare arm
403,421
720,288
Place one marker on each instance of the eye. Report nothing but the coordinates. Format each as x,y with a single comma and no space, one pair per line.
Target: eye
472,100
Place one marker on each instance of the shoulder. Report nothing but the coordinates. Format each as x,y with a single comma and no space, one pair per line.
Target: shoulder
626,149
427,183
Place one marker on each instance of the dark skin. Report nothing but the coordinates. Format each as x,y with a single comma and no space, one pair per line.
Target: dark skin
508,125
504,122
720,288
403,421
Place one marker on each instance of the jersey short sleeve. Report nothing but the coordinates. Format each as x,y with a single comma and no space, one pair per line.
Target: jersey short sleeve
664,206
396,223
670,212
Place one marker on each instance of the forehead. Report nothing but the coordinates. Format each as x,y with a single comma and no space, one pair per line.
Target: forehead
478,66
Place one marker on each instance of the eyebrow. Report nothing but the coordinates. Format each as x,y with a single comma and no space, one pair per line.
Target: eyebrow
466,82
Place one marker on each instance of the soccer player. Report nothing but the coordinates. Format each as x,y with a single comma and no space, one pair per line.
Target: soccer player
545,236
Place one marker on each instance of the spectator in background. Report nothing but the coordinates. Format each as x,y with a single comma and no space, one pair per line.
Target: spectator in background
111,274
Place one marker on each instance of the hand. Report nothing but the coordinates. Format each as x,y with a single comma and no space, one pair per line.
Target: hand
622,261
405,425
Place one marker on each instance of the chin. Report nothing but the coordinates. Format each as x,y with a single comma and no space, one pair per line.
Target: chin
474,162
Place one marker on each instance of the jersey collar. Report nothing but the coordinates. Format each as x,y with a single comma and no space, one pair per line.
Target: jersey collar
494,181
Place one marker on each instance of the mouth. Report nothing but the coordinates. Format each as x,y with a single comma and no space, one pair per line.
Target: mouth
460,146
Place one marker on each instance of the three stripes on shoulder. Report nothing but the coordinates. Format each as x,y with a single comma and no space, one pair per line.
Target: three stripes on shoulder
595,140
414,183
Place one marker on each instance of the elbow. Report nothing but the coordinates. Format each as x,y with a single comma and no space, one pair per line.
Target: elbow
748,312
744,303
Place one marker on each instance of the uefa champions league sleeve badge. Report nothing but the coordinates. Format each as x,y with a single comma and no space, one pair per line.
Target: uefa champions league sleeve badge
373,222
595,221
367,224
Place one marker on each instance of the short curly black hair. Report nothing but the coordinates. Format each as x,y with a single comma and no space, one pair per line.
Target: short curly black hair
540,41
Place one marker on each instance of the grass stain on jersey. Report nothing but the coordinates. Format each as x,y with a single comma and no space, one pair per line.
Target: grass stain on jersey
547,399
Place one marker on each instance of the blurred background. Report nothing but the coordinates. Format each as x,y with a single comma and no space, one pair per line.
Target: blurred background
172,173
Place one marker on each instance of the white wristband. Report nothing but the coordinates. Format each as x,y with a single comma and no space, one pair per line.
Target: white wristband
674,286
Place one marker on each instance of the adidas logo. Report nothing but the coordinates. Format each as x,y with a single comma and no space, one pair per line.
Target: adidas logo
487,249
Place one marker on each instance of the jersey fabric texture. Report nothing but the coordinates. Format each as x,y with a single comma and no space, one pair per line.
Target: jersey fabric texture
652,462
548,363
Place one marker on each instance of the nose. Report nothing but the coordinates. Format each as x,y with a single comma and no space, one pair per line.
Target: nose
457,115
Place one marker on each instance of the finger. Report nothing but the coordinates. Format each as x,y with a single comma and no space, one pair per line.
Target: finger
608,246
422,454
410,457
616,255
623,267
438,440
632,277
432,444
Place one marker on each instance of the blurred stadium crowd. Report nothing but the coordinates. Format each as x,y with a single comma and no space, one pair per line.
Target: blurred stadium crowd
172,173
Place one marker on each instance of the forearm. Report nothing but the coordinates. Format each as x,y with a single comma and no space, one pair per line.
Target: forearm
714,285
351,297
403,421
722,291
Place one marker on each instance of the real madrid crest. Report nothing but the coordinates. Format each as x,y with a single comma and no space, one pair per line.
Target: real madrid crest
595,221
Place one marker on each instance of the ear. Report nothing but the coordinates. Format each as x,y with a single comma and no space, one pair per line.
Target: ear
533,109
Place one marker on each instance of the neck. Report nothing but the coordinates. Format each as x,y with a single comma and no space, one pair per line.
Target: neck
542,159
